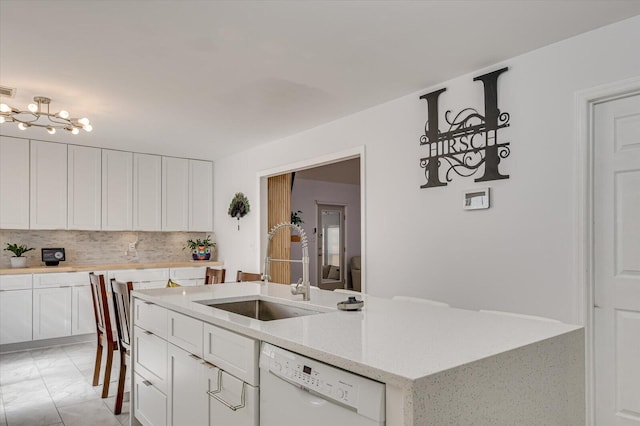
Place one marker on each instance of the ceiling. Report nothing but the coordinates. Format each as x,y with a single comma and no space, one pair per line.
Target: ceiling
347,171
206,79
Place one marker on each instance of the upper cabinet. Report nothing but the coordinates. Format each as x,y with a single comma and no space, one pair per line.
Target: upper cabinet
187,195
117,190
48,186
200,195
175,194
84,188
14,183
147,192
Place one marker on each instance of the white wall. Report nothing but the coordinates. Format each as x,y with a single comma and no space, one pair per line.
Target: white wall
305,195
516,256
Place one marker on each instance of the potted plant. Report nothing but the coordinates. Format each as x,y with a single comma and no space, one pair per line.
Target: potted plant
296,219
239,207
17,260
200,248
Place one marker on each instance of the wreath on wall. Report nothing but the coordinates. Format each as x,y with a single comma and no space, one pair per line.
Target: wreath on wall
239,207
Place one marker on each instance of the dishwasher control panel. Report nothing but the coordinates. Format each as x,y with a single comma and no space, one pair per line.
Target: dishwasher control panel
312,375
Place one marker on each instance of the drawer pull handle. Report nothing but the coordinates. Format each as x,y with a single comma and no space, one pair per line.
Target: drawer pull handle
232,407
147,332
196,357
146,383
148,303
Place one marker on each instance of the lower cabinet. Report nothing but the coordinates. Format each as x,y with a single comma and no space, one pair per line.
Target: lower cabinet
15,309
231,400
83,320
150,403
51,312
188,397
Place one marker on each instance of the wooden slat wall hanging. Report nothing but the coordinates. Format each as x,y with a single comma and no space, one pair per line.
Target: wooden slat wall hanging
279,210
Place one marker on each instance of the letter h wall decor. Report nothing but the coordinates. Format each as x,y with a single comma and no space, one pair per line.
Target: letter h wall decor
471,140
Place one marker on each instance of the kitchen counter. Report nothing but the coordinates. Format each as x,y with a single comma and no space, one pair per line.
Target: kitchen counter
105,267
438,363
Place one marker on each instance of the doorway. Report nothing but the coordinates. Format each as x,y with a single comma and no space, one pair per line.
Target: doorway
331,246
608,239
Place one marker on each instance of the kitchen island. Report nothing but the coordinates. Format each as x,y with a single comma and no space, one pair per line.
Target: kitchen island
439,365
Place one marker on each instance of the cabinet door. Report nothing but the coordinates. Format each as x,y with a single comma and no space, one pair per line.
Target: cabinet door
188,400
175,194
228,391
147,192
82,316
15,316
84,187
51,312
200,195
48,185
117,190
14,183
150,404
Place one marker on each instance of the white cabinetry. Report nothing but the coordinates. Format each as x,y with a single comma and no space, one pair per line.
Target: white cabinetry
117,190
147,192
48,186
15,308
188,399
189,276
14,183
84,187
62,305
142,278
175,194
232,352
200,195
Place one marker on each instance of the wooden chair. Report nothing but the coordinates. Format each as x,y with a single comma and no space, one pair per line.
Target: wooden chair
247,276
104,331
421,300
214,276
121,303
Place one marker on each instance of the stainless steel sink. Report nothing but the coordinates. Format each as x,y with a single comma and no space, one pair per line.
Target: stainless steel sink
260,309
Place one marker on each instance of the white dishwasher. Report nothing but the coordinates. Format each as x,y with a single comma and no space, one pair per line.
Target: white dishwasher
296,390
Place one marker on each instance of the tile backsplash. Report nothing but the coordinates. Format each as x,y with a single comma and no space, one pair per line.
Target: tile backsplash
100,247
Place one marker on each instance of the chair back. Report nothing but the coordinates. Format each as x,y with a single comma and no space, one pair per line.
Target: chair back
248,276
101,306
122,306
214,276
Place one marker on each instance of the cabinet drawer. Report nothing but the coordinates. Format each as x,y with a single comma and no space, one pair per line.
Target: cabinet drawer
139,275
151,404
188,273
62,279
185,332
236,354
15,282
150,317
150,358
227,390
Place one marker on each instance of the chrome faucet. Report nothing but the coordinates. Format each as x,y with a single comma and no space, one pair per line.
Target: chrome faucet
303,286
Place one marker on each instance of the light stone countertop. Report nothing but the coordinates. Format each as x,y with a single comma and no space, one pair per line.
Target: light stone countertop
390,341
106,267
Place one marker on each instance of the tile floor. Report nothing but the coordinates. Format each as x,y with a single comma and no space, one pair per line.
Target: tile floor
52,386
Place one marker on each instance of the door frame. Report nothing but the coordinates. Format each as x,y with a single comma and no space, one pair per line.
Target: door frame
343,256
585,102
322,160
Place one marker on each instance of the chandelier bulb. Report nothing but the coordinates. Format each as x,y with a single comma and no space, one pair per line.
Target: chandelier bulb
51,130
32,107
75,131
88,127
5,108
84,121
63,114
22,126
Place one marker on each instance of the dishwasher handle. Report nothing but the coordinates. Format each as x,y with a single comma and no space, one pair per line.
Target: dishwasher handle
214,394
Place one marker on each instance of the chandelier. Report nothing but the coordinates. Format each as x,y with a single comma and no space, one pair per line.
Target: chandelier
38,115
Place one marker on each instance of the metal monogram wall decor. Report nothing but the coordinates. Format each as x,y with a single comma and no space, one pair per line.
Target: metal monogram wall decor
470,141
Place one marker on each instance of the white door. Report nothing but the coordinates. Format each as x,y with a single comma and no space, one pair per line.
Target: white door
147,192
48,185
83,319
117,190
14,183
51,312
617,261
331,247
84,187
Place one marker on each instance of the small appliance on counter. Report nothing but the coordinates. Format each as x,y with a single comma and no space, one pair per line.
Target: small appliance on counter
352,304
52,256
